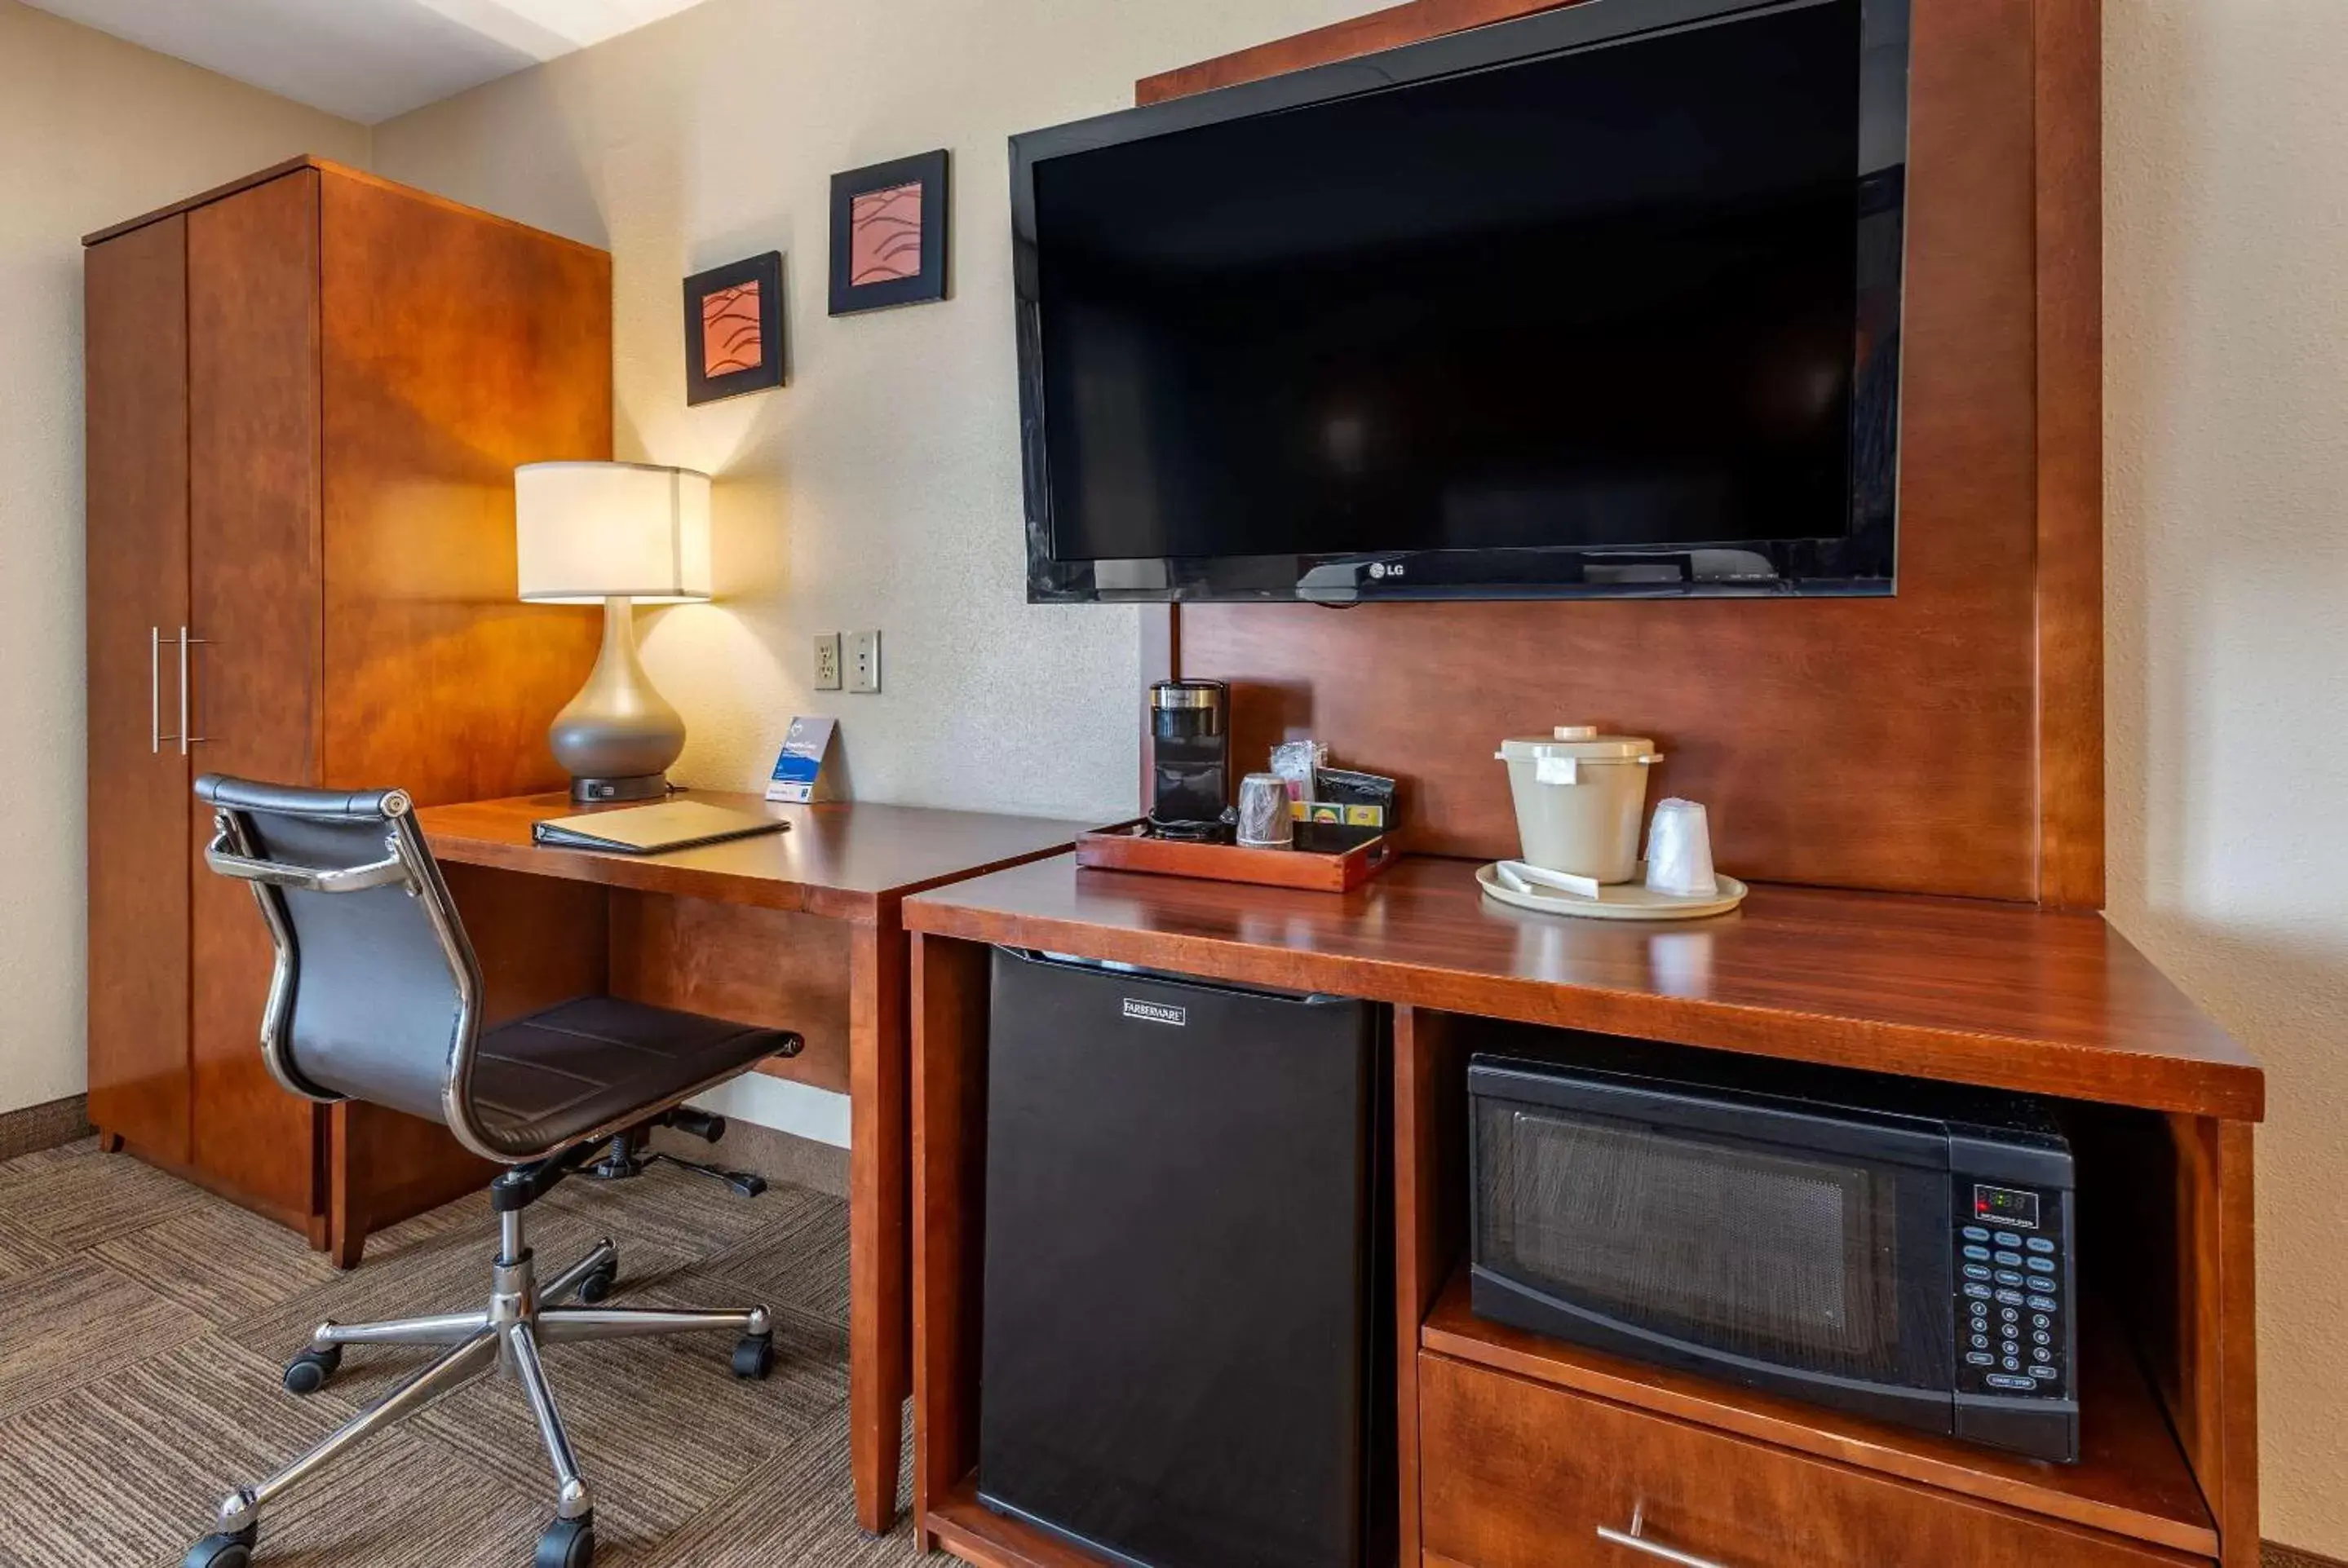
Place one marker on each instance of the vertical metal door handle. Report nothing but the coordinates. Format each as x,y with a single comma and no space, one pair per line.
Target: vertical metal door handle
1634,1539
187,643
155,690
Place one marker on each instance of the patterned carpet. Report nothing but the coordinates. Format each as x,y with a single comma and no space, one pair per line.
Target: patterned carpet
143,1324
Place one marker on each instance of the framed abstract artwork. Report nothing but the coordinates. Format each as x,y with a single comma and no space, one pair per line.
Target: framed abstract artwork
734,328
889,234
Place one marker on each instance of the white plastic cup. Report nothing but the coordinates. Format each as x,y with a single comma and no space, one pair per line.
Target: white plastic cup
1679,851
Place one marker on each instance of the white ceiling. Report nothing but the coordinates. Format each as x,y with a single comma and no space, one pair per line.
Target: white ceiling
366,61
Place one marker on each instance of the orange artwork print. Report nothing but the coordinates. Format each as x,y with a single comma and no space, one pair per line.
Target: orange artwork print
730,338
884,235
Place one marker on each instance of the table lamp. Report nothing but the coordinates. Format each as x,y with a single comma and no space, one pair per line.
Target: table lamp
613,532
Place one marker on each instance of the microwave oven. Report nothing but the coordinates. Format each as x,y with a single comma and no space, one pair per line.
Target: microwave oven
1900,1249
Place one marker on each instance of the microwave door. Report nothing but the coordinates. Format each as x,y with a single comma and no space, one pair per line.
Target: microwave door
1807,1270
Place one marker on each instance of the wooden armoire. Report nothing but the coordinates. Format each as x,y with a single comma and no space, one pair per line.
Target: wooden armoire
306,393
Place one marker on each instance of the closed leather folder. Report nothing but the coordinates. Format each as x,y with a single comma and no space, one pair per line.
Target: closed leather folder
651,829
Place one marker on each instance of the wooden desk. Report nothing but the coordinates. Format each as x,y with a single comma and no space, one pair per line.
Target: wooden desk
2006,994
799,929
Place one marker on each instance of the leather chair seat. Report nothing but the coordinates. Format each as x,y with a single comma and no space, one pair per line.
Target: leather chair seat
540,1081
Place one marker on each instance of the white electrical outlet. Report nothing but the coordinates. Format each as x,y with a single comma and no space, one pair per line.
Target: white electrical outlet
864,661
827,661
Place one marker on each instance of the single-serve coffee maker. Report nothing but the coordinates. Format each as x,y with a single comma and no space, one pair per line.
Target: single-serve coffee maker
1190,759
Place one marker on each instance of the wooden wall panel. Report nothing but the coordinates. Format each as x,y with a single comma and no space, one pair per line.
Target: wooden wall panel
774,968
455,346
252,368
1387,29
2070,217
1887,743
135,408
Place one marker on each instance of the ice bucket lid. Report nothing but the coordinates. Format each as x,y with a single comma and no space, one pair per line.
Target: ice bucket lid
1580,742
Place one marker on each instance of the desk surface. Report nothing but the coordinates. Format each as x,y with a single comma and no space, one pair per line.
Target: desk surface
1973,991
843,860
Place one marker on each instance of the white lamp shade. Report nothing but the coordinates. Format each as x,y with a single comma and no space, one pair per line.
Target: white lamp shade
589,531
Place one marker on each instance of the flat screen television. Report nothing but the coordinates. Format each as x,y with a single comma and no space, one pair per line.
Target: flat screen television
1602,301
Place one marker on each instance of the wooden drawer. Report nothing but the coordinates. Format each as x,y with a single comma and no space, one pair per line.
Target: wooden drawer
1513,1475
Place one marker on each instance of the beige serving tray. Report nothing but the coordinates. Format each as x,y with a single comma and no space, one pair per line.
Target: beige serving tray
1632,900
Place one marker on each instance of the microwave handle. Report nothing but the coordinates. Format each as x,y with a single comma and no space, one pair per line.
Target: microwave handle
1635,1539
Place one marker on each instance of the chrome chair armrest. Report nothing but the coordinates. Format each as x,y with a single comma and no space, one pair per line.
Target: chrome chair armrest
381,873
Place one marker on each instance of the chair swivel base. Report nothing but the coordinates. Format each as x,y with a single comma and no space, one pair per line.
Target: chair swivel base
625,1158
521,1315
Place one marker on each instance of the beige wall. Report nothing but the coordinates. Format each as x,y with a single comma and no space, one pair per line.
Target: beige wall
2226,272
881,488
92,130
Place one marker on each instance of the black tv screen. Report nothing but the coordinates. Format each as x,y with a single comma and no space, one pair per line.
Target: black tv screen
1606,299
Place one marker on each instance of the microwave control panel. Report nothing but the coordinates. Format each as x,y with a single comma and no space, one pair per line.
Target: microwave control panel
2013,1291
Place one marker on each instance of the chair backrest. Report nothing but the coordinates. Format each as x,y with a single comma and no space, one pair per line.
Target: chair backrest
376,994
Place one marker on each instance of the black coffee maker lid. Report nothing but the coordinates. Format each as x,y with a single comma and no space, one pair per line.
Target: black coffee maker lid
1188,694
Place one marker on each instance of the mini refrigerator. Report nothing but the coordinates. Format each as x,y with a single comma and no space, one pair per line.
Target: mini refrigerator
1187,1351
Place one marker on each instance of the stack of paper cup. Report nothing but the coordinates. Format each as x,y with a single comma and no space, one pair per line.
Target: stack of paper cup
1679,851
1265,821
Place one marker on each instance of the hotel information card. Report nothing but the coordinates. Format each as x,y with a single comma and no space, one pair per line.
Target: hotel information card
801,777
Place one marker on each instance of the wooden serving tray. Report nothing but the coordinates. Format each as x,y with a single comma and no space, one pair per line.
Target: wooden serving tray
1130,846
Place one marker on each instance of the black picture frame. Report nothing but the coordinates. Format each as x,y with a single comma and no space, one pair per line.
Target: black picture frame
765,271
930,171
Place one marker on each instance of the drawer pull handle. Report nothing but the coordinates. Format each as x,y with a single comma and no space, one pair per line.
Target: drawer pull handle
1637,1541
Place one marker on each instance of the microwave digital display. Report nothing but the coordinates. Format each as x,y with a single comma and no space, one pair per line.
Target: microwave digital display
2006,1207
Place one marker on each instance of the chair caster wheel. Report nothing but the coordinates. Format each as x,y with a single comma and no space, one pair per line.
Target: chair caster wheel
754,1357
223,1550
308,1372
598,1285
567,1543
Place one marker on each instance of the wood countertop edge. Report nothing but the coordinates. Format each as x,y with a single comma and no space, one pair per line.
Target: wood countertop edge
2229,1091
649,875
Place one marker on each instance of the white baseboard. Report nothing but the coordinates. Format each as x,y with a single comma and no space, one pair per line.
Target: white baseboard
799,1109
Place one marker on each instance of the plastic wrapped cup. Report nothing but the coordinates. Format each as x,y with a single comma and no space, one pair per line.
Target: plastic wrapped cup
1679,851
1264,822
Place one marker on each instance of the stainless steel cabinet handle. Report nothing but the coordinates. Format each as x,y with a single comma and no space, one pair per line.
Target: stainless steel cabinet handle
1635,1539
155,690
186,642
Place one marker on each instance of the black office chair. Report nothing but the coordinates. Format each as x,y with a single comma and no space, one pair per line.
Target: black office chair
377,996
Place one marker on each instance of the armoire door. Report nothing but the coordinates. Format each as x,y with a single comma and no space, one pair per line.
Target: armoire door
136,449
253,605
